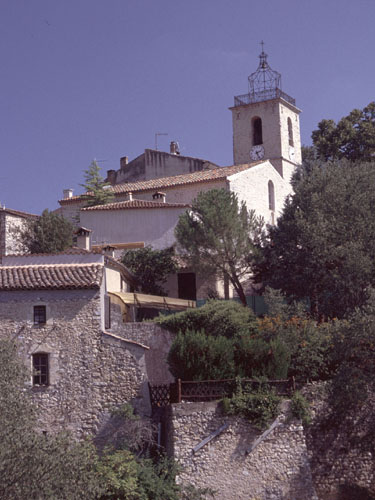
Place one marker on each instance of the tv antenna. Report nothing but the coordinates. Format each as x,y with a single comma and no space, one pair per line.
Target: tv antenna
156,138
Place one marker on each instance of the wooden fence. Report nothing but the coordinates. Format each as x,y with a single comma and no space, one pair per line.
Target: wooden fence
209,390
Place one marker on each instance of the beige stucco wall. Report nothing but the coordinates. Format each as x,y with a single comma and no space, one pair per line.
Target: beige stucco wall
251,186
274,115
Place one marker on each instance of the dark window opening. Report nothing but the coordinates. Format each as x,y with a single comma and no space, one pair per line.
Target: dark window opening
107,312
40,316
290,132
257,132
186,286
271,196
40,367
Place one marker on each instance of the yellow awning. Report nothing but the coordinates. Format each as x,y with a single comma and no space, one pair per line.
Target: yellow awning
153,301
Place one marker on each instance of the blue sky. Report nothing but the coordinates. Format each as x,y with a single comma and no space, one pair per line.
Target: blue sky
85,79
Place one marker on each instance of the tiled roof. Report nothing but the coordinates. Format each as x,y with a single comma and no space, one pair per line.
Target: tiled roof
18,213
136,204
176,180
54,277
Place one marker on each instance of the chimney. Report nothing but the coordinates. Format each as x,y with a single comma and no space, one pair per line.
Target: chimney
123,162
67,193
129,196
83,238
159,196
109,250
174,148
111,177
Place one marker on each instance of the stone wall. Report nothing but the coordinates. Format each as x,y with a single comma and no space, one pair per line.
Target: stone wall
90,372
157,339
277,469
341,452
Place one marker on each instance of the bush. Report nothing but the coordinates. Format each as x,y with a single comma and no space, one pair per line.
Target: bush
196,356
300,407
260,406
217,317
309,345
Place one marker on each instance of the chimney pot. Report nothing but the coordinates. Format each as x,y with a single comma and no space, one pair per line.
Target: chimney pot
129,196
173,148
123,162
111,177
67,193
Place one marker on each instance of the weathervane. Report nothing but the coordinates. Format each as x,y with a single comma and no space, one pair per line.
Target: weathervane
264,78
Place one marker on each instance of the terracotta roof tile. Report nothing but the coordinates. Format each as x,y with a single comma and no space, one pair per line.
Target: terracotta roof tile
131,204
19,213
54,277
176,180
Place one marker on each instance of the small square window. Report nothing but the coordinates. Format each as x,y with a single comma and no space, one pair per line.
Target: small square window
40,369
40,316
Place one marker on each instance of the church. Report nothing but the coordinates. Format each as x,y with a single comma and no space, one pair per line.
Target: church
152,190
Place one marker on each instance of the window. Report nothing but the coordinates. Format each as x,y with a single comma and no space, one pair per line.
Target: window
40,369
40,316
187,288
290,132
271,196
257,131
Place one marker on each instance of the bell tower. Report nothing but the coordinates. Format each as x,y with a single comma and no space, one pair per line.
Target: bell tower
266,122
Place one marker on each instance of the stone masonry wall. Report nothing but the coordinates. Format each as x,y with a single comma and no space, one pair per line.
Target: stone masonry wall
90,372
278,469
151,335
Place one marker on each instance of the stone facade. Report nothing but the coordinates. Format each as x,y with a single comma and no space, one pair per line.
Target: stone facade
153,164
90,372
277,469
11,221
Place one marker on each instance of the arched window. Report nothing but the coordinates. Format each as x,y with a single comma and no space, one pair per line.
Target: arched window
271,196
257,131
290,132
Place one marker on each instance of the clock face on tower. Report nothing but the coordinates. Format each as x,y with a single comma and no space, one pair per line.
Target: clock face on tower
257,152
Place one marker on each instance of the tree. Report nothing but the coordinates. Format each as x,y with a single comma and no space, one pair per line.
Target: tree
322,247
151,267
33,465
353,137
219,236
48,233
97,190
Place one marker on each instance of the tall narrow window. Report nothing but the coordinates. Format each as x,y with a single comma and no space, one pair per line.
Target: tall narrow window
271,196
290,132
40,367
257,131
40,316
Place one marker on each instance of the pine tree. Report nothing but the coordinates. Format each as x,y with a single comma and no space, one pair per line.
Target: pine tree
97,190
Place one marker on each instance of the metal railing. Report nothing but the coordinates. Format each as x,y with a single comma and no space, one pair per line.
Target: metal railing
264,95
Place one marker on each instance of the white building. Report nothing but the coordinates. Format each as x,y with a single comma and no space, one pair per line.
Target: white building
148,200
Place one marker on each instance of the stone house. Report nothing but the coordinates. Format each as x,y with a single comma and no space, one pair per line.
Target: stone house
10,222
57,308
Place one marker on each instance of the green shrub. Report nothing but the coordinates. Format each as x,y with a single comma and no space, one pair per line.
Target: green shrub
260,406
300,407
217,318
196,356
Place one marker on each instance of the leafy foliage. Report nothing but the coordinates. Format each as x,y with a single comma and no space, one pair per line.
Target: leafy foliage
353,137
49,233
33,465
321,248
218,236
260,407
151,267
310,345
354,354
300,407
197,356
216,317
97,190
